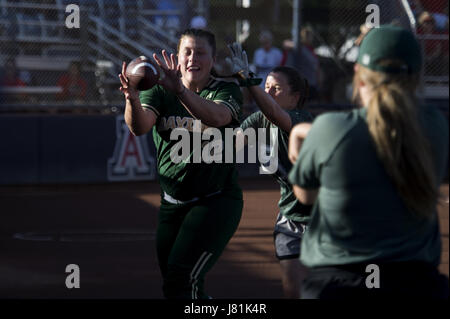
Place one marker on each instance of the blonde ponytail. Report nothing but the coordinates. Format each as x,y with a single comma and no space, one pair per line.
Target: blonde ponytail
398,137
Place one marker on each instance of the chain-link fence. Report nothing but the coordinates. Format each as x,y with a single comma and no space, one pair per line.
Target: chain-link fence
48,66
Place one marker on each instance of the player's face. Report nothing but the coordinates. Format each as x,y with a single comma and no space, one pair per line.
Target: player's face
196,59
278,87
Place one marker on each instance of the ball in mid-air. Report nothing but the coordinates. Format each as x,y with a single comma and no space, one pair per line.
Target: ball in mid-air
142,73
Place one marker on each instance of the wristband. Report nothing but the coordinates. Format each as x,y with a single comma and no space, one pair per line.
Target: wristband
249,81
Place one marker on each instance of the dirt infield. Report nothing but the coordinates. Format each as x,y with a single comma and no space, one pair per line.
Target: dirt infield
108,231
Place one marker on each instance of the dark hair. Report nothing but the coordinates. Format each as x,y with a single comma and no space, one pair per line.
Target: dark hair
296,82
199,33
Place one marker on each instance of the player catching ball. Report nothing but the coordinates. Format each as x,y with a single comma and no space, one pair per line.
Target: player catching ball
281,104
373,175
201,204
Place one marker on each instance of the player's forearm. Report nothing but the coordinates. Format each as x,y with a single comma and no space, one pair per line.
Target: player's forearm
210,113
302,130
296,138
305,196
139,122
273,112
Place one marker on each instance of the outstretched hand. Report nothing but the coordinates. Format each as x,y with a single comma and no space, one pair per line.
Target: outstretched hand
130,93
238,63
172,74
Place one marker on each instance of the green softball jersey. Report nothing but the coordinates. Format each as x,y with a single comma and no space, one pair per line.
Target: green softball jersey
289,206
358,216
189,179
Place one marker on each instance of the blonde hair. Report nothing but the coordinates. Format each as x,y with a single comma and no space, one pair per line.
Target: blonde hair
393,121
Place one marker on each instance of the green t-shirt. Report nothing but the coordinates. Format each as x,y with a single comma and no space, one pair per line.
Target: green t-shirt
358,216
186,180
289,206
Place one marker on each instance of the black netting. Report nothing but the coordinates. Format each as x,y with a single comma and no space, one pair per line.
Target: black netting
38,50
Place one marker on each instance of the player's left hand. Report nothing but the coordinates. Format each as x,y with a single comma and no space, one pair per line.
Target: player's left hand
172,74
238,63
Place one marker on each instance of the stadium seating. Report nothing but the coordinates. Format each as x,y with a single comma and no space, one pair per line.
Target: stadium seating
34,33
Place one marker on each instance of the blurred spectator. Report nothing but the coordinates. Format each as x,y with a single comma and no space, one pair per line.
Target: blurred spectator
73,85
10,75
433,48
198,22
9,80
266,57
348,52
304,59
171,23
350,49
364,29
438,6
441,21
439,10
416,7
445,55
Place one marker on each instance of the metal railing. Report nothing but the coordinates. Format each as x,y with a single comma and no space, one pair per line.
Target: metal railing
35,37
156,35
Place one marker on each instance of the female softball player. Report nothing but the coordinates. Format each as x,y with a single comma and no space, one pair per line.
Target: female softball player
281,104
373,175
201,204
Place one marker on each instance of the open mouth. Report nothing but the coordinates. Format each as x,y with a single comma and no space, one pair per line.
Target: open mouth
193,69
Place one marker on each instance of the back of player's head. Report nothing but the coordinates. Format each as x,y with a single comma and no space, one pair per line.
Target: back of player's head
388,68
389,56
391,49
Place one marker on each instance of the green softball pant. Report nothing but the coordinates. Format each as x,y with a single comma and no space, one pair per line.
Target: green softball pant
189,240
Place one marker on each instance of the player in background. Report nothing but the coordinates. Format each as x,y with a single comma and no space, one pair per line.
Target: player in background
281,104
201,204
373,175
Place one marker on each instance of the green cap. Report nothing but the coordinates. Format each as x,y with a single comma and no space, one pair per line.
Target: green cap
390,42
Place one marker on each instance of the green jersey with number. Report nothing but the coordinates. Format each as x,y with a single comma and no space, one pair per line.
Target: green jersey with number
289,206
191,177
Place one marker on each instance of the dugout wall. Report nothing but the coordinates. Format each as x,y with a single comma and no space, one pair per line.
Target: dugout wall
81,149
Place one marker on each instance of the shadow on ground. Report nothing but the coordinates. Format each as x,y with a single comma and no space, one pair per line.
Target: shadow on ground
108,231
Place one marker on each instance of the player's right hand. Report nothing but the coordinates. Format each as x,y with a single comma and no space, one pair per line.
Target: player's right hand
130,93
296,138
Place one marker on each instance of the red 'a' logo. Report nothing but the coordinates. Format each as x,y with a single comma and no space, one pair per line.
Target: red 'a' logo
131,159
